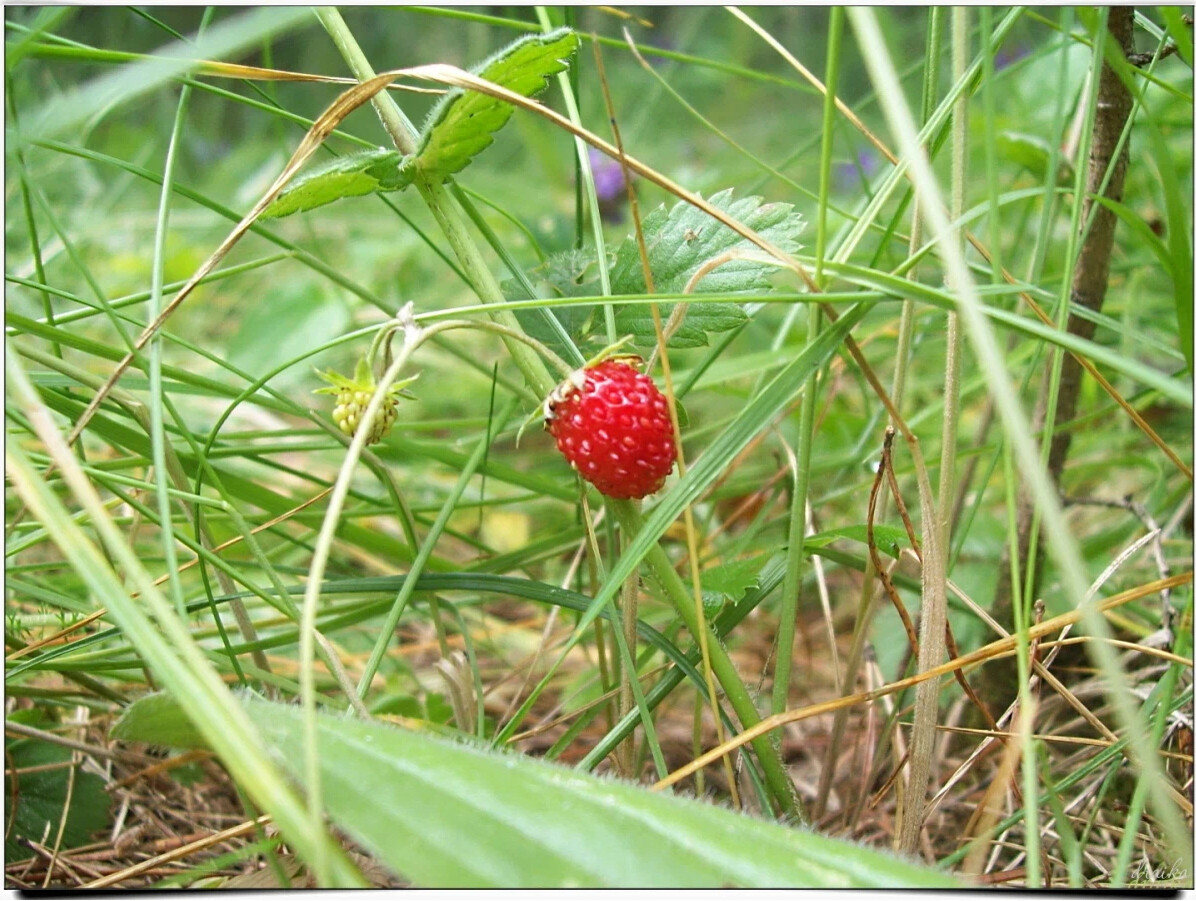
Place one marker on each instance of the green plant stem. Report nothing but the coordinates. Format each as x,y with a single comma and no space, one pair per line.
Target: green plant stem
319,560
157,427
425,552
724,670
628,675
587,177
394,120
413,336
1051,392
959,159
161,637
794,571
449,217
625,668
905,333
446,213
935,522
1030,757
516,271
538,378
932,645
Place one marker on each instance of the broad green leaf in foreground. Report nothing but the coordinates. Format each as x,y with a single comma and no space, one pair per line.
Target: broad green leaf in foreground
684,239
351,175
446,814
463,123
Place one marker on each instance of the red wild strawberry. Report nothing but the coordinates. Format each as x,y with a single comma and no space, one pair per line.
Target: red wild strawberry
612,425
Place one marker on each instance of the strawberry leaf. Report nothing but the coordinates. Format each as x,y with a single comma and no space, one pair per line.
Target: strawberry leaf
680,241
463,123
565,274
45,792
700,319
729,582
735,577
351,175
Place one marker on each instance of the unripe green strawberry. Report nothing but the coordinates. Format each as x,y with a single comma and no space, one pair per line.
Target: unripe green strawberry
354,395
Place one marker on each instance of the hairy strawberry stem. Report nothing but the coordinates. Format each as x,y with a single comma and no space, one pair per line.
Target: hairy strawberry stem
507,333
724,670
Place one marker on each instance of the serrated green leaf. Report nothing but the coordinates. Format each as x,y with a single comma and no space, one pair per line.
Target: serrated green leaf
683,239
446,814
700,319
463,123
563,275
351,175
570,273
735,577
729,582
680,241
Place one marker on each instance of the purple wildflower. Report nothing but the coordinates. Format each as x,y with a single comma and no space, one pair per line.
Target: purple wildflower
608,185
1007,56
608,176
863,168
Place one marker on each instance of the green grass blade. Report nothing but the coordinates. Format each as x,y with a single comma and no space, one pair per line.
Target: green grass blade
164,641
231,35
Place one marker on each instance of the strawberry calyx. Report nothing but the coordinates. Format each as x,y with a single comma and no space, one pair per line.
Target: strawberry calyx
353,396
